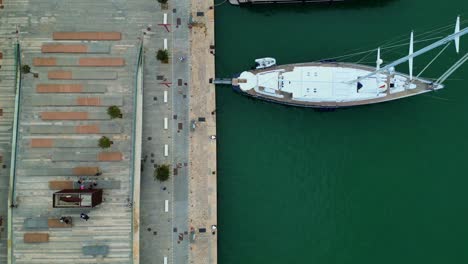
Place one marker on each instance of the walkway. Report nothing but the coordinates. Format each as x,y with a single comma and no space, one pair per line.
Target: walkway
7,107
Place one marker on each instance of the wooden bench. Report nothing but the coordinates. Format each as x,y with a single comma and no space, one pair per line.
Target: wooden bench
87,36
60,185
86,171
55,223
36,237
64,48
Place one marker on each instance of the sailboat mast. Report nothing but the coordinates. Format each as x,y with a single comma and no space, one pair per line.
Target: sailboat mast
434,45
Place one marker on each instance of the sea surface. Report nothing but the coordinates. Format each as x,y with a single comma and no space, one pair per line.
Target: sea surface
385,183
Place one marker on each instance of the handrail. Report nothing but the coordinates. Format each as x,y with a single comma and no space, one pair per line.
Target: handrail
14,148
136,155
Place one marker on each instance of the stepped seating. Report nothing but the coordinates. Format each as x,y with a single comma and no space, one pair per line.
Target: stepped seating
89,48
74,116
61,150
82,75
64,115
79,62
59,88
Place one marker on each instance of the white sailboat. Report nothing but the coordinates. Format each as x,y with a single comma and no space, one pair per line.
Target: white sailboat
339,84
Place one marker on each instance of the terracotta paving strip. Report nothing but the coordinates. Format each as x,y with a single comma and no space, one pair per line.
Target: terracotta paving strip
60,185
61,48
60,75
101,62
1,53
85,171
42,143
87,129
59,88
87,36
45,61
55,223
110,156
35,237
64,115
90,101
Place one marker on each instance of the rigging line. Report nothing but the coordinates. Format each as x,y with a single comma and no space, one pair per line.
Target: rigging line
452,69
386,48
444,76
436,97
221,3
403,37
429,64
363,58
429,33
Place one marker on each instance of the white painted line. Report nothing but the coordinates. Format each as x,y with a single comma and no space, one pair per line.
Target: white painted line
165,260
166,150
165,19
166,206
165,44
165,123
165,96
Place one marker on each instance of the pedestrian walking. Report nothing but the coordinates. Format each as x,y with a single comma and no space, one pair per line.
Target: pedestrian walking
84,216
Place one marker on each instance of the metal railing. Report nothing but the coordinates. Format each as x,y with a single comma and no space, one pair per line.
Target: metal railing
14,148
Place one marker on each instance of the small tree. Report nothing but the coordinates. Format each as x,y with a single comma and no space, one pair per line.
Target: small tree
114,111
163,56
25,69
104,142
162,173
162,1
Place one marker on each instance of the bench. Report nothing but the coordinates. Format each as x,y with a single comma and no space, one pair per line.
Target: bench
86,171
60,185
55,223
36,237
87,36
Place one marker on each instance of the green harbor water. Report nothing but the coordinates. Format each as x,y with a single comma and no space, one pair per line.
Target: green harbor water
384,183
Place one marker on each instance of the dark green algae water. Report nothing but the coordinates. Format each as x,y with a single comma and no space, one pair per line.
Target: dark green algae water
381,184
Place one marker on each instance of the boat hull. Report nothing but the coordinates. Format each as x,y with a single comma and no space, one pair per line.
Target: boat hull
423,86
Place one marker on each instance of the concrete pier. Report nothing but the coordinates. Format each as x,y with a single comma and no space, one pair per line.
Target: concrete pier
203,170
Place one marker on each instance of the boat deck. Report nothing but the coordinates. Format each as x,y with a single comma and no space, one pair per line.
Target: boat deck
421,87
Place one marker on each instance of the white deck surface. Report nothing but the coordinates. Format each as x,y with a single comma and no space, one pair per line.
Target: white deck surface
320,84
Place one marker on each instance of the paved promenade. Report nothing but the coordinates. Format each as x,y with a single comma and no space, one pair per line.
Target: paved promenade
203,172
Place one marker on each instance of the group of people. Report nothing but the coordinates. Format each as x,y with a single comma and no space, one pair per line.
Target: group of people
67,219
82,185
